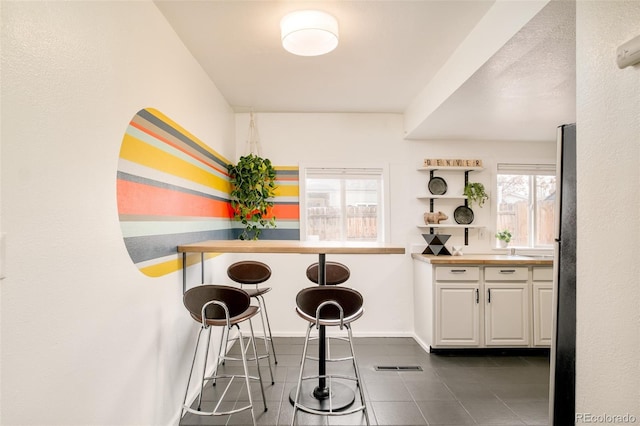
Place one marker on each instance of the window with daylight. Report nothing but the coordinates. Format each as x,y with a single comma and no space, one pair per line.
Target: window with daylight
343,204
526,203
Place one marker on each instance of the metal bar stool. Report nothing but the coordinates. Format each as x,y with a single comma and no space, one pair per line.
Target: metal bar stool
330,307
221,306
335,273
252,273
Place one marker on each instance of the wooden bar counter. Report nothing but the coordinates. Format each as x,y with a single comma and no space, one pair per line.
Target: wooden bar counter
289,246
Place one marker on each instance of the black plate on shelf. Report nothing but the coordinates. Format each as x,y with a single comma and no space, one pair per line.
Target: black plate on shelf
437,186
463,215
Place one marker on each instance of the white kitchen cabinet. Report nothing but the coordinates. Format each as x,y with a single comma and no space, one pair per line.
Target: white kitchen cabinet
542,288
506,306
457,314
457,306
506,314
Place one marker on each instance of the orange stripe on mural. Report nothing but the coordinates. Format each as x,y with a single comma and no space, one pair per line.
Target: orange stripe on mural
140,199
285,211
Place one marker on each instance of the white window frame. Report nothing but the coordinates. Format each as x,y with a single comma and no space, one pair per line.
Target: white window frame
529,169
383,230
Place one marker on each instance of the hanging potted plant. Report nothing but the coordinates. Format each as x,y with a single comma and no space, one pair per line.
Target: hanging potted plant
252,191
475,193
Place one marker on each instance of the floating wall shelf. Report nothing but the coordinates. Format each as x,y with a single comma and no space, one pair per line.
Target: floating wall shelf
441,197
465,169
448,225
431,199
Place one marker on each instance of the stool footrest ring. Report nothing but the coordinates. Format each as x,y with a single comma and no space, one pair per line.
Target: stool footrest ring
225,358
230,376
331,377
315,358
330,412
216,413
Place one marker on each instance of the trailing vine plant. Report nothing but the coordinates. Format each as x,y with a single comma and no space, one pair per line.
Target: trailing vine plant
252,191
475,193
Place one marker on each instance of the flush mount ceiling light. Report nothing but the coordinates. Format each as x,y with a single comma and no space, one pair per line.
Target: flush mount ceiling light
309,32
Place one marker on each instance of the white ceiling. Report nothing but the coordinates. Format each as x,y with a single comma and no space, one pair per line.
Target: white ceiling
396,57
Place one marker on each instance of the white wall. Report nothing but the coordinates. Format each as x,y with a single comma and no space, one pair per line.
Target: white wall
608,154
291,139
86,338
288,139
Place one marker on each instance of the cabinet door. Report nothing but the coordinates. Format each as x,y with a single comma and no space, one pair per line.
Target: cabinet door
507,314
542,313
457,314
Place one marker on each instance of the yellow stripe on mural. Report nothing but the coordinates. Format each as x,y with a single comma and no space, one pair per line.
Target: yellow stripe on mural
184,131
174,265
137,151
286,168
287,191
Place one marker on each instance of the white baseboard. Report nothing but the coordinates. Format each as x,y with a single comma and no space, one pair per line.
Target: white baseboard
422,344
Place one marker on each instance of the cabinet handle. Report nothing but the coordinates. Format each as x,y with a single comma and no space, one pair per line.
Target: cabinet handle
458,271
489,295
507,271
477,296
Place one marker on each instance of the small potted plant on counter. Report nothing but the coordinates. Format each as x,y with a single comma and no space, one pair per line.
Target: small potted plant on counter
504,238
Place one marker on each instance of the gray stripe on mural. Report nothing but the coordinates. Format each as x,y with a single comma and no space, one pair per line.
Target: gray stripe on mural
145,181
176,133
287,173
273,234
154,246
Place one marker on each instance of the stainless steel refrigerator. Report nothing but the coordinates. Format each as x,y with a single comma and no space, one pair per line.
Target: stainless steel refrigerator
563,345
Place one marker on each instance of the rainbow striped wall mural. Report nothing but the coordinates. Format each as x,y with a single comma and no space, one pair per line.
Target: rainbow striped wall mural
173,189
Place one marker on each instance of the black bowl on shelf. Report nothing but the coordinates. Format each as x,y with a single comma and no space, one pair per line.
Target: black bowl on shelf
437,186
463,215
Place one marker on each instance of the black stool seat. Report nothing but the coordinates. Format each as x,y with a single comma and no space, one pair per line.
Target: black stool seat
236,300
249,272
250,312
335,273
341,305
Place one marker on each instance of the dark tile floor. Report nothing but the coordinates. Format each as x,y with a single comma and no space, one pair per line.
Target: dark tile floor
451,390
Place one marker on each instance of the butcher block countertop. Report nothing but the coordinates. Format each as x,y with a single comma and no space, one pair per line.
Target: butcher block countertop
290,246
484,259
